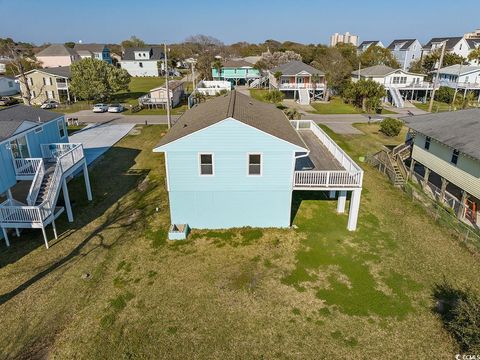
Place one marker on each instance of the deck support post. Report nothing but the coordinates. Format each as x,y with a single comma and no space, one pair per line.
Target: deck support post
17,232
331,194
5,236
87,181
412,168
354,209
425,178
342,199
443,189
54,230
461,208
67,201
10,197
45,237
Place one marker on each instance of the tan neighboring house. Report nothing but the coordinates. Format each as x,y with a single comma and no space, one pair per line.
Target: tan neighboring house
57,55
158,97
48,84
446,149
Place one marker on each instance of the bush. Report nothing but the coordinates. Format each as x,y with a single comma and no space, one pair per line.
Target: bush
460,312
445,94
391,126
274,96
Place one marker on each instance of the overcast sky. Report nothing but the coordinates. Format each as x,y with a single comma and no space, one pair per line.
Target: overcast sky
306,21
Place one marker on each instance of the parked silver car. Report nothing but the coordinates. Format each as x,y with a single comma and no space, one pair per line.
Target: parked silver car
115,108
49,104
100,108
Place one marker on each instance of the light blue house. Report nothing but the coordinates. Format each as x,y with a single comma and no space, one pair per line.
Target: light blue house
96,51
36,161
234,162
238,72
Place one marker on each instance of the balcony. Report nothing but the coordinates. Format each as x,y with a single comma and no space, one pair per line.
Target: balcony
62,85
296,86
326,166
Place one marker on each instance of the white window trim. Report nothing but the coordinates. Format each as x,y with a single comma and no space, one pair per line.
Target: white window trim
200,163
64,128
248,164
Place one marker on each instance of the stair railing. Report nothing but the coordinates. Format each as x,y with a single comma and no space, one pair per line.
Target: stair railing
36,184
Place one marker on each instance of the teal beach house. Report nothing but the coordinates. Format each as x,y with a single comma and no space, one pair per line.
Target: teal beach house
238,72
234,162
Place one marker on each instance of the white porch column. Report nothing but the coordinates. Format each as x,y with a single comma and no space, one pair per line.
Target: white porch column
342,199
45,237
354,208
54,230
331,194
87,181
5,236
66,197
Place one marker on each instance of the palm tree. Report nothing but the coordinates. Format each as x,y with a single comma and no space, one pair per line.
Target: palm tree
217,64
475,55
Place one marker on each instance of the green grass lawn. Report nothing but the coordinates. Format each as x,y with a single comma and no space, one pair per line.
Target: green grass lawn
437,106
112,287
259,94
335,106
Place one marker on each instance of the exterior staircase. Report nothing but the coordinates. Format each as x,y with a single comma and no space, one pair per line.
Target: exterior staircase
303,97
45,184
392,163
396,97
260,82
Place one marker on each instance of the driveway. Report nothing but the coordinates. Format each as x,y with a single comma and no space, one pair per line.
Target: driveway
87,116
98,138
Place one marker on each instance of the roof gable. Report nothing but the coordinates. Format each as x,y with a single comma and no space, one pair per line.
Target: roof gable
264,117
296,67
57,50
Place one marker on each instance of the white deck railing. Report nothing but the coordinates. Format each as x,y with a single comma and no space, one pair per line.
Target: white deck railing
26,166
294,86
36,184
352,176
66,155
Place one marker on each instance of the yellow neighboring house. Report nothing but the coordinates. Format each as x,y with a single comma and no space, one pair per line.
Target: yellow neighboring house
47,84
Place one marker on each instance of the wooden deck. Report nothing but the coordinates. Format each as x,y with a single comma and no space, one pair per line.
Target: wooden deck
319,158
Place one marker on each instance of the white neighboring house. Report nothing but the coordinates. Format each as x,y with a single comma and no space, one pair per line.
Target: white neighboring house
406,51
461,77
456,45
157,97
8,86
399,83
473,44
212,88
367,43
142,61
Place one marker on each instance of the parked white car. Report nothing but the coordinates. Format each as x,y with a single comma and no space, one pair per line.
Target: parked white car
100,108
49,104
115,108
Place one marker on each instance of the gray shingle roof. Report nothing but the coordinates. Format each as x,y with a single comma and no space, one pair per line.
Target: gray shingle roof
451,42
57,50
236,63
406,44
265,117
457,129
473,43
295,67
63,71
156,53
89,47
368,42
376,70
456,69
14,116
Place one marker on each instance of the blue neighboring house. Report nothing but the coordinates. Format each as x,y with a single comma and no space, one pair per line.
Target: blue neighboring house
96,51
234,162
36,161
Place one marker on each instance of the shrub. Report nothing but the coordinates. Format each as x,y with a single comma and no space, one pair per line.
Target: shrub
391,126
460,312
445,94
274,96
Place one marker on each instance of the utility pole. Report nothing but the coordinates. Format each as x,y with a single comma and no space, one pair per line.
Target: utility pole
359,69
193,75
169,119
435,83
456,85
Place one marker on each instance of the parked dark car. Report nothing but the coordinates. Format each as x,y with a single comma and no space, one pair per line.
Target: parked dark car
7,100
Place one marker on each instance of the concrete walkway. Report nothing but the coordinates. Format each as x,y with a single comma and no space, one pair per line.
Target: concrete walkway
98,138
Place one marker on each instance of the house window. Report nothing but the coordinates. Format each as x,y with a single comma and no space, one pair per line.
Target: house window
61,128
427,142
206,164
30,81
10,84
38,130
455,157
254,164
19,148
140,64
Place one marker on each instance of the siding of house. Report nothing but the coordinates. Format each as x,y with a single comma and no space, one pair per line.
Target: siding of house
8,87
406,57
149,67
39,88
56,61
161,94
466,174
230,198
236,73
49,134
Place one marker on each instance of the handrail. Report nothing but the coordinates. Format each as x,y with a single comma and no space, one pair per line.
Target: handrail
327,178
36,184
26,166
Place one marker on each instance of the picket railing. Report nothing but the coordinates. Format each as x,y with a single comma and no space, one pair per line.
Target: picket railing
36,184
26,166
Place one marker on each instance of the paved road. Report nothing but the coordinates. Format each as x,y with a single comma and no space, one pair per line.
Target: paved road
87,116
98,138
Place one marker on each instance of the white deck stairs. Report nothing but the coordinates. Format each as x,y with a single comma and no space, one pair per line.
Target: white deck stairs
396,97
303,97
259,83
49,174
